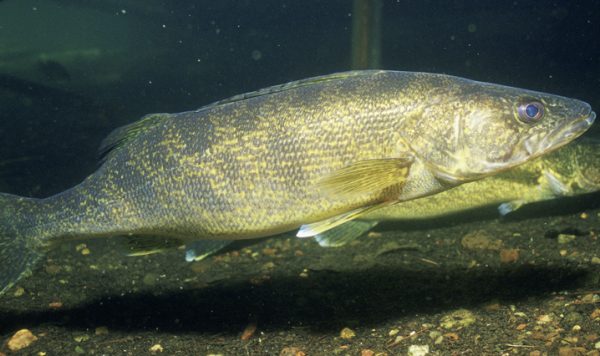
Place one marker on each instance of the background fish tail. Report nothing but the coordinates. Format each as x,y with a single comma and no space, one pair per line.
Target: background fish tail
20,247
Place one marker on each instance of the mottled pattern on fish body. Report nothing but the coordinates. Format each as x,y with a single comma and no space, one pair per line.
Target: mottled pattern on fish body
248,167
251,166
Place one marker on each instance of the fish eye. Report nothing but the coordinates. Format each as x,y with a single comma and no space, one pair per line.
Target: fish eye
531,112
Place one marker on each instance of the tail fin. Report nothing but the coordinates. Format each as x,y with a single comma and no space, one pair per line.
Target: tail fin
20,248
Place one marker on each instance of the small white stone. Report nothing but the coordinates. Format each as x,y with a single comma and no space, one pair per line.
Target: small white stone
418,350
156,348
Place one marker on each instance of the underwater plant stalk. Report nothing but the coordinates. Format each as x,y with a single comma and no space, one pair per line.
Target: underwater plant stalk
366,34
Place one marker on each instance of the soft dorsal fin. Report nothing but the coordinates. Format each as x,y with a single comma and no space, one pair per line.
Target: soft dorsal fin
291,85
120,136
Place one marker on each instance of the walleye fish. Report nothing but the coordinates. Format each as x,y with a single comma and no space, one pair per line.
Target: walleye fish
313,153
570,171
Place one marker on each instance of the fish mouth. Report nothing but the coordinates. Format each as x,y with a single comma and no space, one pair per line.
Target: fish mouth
561,135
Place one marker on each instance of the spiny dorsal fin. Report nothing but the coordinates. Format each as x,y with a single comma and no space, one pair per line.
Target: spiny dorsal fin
120,136
291,85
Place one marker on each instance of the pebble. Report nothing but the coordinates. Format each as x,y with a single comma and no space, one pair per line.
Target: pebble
81,338
249,331
457,319
55,305
597,345
150,279
544,319
509,255
418,350
565,238
21,339
480,240
268,265
436,336
347,333
19,292
452,336
571,351
304,273
267,251
596,260
156,348
572,318
590,298
563,253
52,269
291,351
101,330
367,352
492,306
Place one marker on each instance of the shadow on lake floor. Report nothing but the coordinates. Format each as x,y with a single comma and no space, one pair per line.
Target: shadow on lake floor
322,302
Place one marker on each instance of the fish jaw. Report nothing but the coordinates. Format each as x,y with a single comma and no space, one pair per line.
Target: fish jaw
560,136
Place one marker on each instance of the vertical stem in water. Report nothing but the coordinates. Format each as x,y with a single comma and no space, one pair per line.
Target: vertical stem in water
366,34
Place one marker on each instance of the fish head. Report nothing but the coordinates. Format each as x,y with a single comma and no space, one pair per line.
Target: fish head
481,129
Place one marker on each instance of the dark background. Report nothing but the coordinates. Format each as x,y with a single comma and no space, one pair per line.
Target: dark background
72,70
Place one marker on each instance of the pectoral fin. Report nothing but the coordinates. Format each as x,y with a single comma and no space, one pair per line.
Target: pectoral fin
370,176
360,178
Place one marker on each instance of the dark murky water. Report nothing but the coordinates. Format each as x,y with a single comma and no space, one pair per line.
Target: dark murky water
73,70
